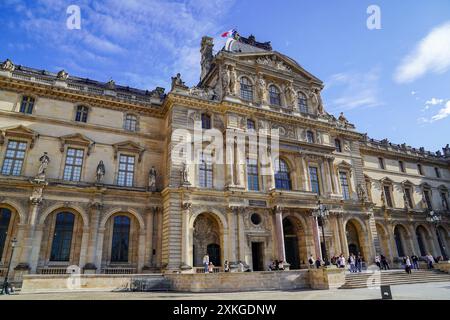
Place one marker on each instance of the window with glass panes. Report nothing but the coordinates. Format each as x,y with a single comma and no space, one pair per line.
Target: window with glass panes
62,237
314,179
126,171
82,114
14,156
120,239
5,218
408,197
344,185
302,103
282,175
130,122
252,174
275,97
387,195
381,162
337,145
246,89
205,172
428,199
74,164
444,201
206,121
250,125
310,136
27,105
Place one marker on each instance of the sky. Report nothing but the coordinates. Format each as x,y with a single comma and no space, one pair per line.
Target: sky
391,82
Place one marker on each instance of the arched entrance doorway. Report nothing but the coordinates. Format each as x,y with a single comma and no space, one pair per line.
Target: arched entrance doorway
400,236
422,235
8,223
206,239
352,231
384,241
291,246
442,239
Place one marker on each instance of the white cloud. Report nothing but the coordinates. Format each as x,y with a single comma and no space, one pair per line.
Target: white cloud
443,113
431,55
355,89
434,101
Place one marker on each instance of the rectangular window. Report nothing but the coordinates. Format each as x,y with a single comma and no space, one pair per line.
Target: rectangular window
444,201
15,154
419,169
250,125
402,166
27,105
387,195
252,174
310,136
344,185
82,114
314,178
381,162
205,172
126,171
74,164
408,197
426,193
438,174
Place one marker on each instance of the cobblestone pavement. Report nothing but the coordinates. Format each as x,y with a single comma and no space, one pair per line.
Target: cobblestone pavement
427,291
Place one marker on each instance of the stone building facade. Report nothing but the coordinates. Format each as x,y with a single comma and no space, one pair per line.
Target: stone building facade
91,176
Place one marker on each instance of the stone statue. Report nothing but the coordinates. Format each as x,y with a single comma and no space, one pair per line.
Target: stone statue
100,171
176,81
316,101
342,118
62,75
361,193
44,160
291,95
226,80
8,66
111,84
152,179
233,80
262,92
383,199
405,200
184,174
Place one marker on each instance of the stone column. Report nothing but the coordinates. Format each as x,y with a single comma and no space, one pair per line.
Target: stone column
141,250
185,235
343,235
99,249
332,175
281,254
149,238
84,246
336,236
305,174
370,241
229,165
28,239
95,211
158,225
21,229
435,242
35,248
232,248
241,234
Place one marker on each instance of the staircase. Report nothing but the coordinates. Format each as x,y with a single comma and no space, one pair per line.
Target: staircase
393,277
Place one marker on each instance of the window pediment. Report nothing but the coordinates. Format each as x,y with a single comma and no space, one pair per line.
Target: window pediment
407,183
386,180
76,139
344,165
128,146
20,132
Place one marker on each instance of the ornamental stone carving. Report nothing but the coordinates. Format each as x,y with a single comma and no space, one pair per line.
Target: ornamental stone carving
273,62
261,90
291,95
62,75
7,65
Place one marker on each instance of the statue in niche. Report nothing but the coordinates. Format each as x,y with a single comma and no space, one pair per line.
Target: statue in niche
291,95
100,171
233,80
152,179
361,193
262,92
184,174
44,160
226,81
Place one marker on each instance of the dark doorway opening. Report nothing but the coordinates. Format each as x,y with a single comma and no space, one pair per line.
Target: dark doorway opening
291,248
353,248
258,256
214,254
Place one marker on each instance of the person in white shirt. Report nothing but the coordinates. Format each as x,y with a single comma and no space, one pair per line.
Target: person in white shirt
408,265
206,262
378,261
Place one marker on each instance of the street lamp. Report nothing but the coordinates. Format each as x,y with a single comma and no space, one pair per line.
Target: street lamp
435,219
5,282
321,213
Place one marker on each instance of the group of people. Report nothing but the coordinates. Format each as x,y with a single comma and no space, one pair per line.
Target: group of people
276,265
354,262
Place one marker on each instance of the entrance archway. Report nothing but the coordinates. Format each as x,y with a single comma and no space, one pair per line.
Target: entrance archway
443,241
384,241
422,236
291,244
206,239
400,237
355,242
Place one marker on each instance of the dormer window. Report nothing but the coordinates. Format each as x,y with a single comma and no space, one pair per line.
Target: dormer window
302,103
27,105
275,96
246,89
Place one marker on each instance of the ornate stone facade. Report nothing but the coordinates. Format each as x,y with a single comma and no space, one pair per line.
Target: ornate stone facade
141,210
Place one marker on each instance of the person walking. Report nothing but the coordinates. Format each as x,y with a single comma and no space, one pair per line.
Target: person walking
206,262
378,262
430,261
341,261
358,262
384,262
318,263
407,265
415,261
351,262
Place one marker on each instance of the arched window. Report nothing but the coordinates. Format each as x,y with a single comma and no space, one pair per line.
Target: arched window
275,97
420,241
302,103
131,122
205,172
82,114
120,239
62,237
206,121
5,217
310,136
399,242
337,144
27,105
282,175
246,89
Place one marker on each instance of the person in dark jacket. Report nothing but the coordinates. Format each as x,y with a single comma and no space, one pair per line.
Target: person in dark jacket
318,263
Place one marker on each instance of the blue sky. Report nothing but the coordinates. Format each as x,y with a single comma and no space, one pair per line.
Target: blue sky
391,83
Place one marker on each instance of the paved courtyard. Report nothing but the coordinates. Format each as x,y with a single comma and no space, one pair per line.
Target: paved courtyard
425,291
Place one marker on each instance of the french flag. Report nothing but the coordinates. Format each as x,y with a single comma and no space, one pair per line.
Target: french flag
228,33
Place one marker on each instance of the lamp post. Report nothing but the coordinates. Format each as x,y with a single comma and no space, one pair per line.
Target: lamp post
5,282
435,218
321,213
